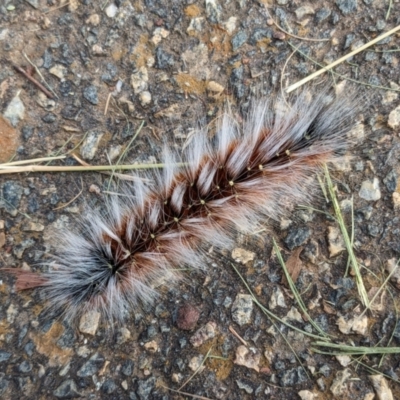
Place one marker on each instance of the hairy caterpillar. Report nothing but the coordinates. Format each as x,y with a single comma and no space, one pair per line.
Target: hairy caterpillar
248,171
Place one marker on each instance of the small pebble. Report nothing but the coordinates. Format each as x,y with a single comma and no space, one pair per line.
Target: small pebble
94,189
243,256
93,19
60,71
176,377
89,322
230,25
245,385
297,237
164,60
31,226
307,395
239,40
279,35
242,308
151,346
335,241
111,10
213,11
347,6
67,390
145,98
339,385
11,194
15,111
370,190
291,377
303,11
159,34
249,358
90,145
396,200
145,387
4,355
277,298
354,325
344,360
394,118
293,315
187,317
139,80
109,386
196,25
203,334
195,363
322,14
90,94
92,366
381,387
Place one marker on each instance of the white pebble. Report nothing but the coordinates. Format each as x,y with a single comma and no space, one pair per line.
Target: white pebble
111,10
370,190
145,98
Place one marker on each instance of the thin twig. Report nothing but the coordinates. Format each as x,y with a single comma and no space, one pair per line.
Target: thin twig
116,174
238,336
125,151
386,51
389,9
46,168
72,200
273,317
353,260
291,34
283,72
344,76
40,74
34,81
31,161
80,161
356,350
3,200
340,60
56,8
107,103
295,292
381,288
271,314
195,396
198,369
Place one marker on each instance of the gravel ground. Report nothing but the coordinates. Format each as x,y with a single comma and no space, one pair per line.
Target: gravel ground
172,65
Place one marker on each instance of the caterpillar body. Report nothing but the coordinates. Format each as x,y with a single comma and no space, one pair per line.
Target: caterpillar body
249,171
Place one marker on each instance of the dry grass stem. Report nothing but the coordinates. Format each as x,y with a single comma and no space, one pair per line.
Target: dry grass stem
194,396
348,242
344,76
72,200
271,314
354,350
56,8
291,34
197,370
238,336
90,168
31,161
340,60
107,103
295,292
41,76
